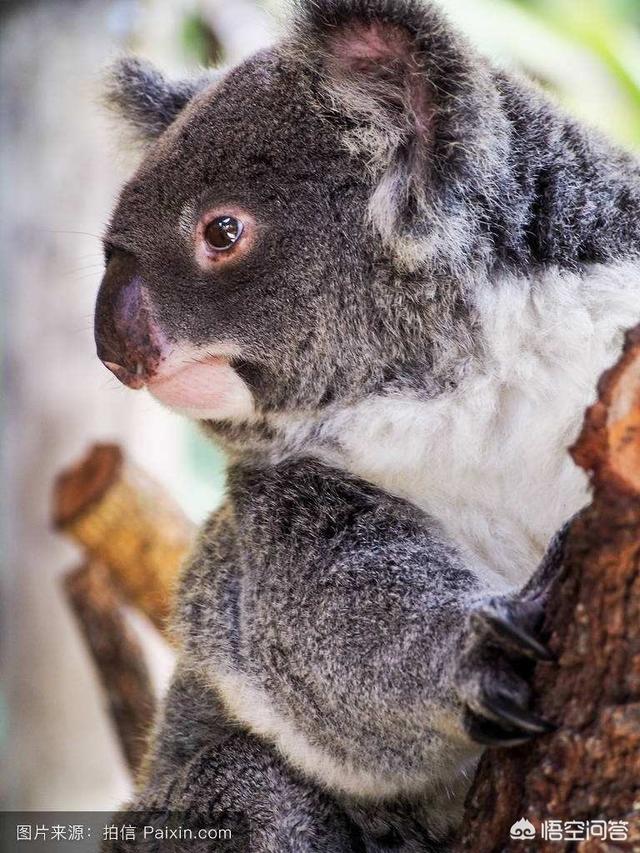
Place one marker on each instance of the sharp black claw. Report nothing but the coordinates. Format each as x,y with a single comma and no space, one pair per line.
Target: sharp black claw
504,626
488,733
505,710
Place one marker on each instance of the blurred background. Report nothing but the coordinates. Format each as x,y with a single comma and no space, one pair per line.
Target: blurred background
61,168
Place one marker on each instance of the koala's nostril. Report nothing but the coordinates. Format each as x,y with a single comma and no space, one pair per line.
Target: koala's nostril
132,380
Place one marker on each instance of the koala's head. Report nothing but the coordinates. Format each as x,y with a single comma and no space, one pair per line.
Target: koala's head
291,236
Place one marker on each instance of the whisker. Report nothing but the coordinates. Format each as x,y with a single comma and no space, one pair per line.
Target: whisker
92,257
90,267
74,233
84,276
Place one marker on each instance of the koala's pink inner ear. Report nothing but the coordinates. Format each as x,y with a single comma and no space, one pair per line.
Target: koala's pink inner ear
383,58
360,44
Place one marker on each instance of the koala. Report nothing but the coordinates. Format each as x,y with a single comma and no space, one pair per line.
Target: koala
385,276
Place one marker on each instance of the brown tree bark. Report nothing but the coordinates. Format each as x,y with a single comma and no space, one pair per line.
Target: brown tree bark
125,520
117,654
589,769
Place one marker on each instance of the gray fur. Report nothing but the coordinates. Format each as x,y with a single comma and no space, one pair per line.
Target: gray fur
279,810
387,192
147,101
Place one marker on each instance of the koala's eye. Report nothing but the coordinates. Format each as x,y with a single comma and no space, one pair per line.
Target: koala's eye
223,232
223,235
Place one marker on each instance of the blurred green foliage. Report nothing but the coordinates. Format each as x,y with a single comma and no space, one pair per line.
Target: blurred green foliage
199,41
610,31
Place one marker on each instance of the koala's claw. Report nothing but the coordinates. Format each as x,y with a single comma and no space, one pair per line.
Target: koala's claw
488,733
494,672
501,622
503,710
499,719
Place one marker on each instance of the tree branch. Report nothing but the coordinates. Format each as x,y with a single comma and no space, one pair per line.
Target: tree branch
117,655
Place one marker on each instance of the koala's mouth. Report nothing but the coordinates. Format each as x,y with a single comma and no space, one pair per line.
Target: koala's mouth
207,388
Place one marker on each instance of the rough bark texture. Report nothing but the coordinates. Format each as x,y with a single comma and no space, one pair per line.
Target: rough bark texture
128,522
589,769
117,654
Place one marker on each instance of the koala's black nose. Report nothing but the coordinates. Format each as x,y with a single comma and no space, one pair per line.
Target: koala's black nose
128,341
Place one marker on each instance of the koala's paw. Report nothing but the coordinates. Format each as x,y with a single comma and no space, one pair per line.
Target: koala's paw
494,672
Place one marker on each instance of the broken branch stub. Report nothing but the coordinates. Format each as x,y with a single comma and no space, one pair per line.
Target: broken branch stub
124,519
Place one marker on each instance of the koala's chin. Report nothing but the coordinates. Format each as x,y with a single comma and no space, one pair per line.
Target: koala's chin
205,389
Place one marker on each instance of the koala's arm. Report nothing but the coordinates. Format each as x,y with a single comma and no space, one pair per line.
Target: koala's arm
203,772
339,624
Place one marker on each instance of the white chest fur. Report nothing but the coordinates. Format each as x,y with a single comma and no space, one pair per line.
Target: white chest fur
489,460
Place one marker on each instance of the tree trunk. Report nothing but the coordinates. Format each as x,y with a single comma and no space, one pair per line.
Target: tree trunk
588,771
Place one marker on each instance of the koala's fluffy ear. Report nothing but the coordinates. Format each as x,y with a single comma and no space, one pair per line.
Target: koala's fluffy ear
145,99
374,54
415,90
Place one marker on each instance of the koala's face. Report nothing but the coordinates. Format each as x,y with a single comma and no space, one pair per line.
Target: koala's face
243,275
237,251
